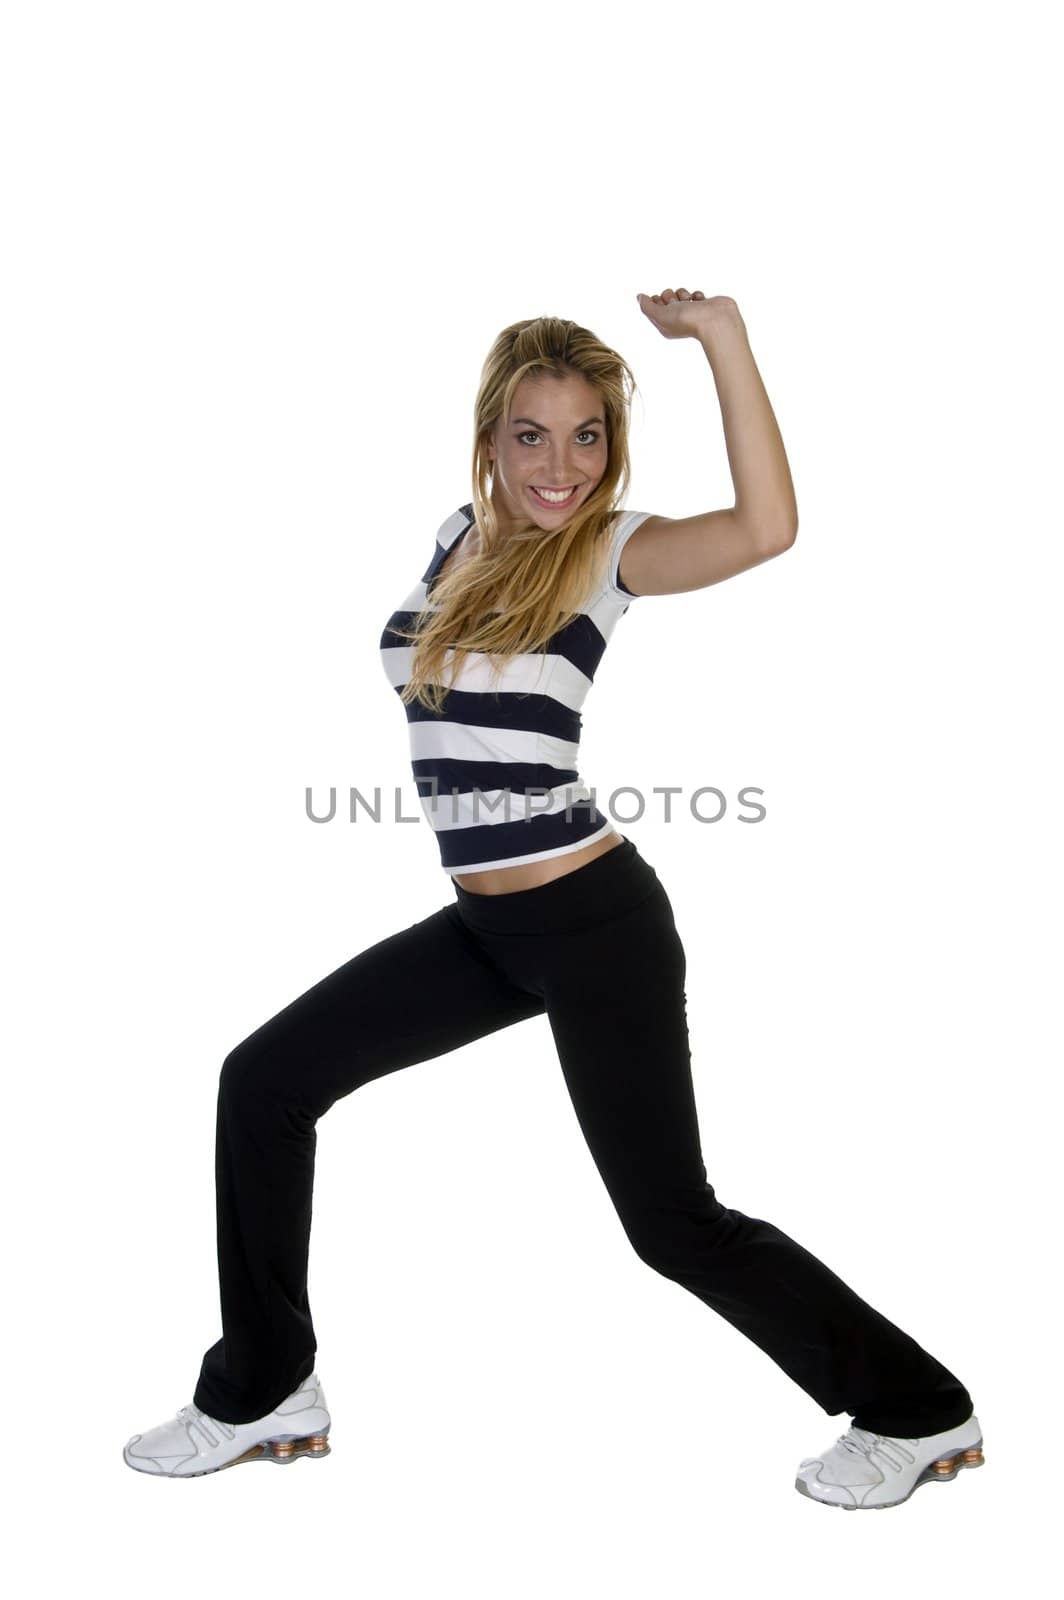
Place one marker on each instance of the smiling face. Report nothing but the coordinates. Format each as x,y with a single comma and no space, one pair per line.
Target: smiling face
555,440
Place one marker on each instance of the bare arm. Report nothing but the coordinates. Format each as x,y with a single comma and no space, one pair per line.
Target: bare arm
667,555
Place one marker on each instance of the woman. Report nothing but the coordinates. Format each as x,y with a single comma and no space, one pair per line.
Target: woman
554,912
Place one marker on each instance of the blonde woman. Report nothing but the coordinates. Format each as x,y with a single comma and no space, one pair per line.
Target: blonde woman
551,911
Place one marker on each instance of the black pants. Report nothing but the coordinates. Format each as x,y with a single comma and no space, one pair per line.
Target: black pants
598,951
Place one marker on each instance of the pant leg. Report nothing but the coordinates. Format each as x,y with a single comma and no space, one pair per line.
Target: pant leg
416,994
617,1009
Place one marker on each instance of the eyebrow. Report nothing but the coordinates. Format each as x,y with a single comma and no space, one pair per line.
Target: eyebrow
542,429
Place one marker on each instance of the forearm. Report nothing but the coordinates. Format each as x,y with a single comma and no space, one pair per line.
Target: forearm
764,492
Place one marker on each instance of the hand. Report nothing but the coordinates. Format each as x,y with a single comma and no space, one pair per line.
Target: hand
677,314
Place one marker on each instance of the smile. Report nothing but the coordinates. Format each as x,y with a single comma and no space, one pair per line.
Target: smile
553,498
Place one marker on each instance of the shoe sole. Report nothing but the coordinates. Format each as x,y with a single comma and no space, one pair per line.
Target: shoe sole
944,1470
311,1447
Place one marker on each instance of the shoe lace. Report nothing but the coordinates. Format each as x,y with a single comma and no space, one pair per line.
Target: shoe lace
895,1452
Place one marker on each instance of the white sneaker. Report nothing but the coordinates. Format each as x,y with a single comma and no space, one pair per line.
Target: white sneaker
193,1443
865,1471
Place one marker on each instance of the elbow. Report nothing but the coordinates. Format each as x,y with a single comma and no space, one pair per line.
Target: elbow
779,536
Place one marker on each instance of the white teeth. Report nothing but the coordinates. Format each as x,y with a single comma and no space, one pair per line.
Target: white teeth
554,494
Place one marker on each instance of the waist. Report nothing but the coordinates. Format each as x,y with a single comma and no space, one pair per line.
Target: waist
604,887
543,869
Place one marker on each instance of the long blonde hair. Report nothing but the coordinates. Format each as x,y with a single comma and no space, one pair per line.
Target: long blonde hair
516,591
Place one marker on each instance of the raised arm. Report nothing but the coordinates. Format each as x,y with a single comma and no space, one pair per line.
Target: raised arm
670,555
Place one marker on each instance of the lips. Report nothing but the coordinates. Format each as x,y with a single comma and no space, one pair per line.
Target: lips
554,505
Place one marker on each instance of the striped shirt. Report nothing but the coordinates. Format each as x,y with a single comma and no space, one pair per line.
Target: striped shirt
496,769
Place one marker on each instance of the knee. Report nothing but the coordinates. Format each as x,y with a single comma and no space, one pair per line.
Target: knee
271,1074
668,1236
246,1073
233,1077
645,1235
657,1250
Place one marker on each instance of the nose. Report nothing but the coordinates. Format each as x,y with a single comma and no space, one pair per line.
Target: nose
561,471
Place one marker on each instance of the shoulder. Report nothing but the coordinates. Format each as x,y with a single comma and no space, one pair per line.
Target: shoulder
625,523
455,524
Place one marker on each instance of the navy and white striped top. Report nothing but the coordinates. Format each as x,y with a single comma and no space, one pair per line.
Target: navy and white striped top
496,769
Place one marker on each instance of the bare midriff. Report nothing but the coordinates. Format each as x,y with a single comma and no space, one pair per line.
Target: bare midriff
530,874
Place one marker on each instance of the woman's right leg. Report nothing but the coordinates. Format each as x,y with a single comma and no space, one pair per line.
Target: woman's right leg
417,994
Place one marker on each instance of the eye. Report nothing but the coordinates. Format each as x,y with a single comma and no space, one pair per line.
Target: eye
531,433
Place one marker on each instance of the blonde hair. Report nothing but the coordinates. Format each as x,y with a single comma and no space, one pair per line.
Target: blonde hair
517,591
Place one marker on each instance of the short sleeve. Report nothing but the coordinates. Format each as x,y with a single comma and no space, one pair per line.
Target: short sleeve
627,523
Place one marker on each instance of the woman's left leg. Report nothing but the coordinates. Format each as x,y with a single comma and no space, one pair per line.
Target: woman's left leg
616,1002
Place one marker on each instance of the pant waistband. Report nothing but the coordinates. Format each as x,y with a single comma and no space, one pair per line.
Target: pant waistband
604,887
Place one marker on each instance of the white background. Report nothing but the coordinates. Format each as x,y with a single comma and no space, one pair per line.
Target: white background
255,256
